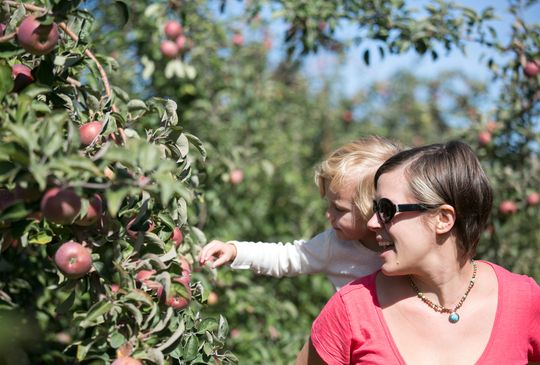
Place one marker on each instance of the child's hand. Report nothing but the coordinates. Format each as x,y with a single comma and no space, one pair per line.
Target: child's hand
221,252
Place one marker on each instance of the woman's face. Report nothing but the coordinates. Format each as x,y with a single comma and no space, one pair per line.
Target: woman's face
407,238
343,215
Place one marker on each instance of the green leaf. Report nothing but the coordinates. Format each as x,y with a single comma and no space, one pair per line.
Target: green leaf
167,186
73,162
136,104
149,156
6,81
191,349
182,143
123,12
197,143
135,311
116,340
66,305
42,238
14,212
223,328
115,196
167,219
208,324
95,313
139,296
179,331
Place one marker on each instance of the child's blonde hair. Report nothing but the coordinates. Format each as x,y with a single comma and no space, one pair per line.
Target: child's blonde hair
360,160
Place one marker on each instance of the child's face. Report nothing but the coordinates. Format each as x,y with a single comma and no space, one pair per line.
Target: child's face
342,215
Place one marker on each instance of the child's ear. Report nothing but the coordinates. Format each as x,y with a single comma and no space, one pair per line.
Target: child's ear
445,219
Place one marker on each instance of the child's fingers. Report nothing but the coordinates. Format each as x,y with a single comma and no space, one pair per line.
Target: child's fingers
220,261
209,251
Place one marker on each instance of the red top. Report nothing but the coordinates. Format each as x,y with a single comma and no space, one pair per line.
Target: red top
351,328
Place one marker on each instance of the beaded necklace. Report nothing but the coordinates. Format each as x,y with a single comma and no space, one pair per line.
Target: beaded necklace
453,317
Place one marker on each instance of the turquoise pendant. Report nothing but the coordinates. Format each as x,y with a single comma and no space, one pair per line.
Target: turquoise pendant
453,317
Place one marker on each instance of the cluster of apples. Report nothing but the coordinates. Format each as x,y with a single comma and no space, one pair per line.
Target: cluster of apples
35,38
509,206
180,293
40,39
176,41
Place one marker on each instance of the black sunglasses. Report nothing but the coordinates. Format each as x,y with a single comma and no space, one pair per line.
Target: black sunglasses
386,209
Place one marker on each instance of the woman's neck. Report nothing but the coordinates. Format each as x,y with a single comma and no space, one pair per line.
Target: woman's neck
447,283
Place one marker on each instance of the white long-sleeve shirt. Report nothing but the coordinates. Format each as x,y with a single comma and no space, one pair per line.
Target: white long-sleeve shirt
341,261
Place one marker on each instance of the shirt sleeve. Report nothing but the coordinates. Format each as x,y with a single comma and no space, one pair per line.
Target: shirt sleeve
284,259
534,328
331,332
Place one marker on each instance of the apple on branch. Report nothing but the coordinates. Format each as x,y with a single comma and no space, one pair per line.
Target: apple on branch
37,38
172,29
73,260
60,205
22,76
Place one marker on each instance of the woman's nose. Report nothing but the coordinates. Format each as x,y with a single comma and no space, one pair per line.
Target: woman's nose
373,223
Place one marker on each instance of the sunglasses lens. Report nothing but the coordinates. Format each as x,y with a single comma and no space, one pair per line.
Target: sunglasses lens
386,210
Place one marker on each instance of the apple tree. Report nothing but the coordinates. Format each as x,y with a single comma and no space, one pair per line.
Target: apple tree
96,193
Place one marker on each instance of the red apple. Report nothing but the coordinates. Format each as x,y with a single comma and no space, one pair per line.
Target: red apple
73,260
36,38
236,176
508,207
533,198
177,236
492,126
169,49
213,298
484,138
173,29
22,76
347,116
181,42
60,205
2,29
179,298
177,302
89,131
238,39
126,360
531,69
143,275
115,288
94,212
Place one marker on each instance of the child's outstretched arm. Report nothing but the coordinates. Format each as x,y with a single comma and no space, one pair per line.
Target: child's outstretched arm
218,253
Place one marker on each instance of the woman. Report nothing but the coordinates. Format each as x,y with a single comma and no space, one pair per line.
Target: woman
430,303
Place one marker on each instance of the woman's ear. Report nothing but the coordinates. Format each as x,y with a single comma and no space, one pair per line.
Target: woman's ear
446,218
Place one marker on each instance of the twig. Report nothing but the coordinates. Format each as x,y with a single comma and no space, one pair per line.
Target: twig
7,37
90,55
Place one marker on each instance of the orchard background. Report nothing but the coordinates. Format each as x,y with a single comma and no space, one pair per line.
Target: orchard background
136,131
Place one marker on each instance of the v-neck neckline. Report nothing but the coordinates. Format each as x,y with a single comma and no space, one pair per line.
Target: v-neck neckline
494,327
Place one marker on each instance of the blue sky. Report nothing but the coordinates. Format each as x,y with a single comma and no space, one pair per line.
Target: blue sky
356,75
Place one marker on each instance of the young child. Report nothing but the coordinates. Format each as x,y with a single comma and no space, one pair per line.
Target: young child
344,252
